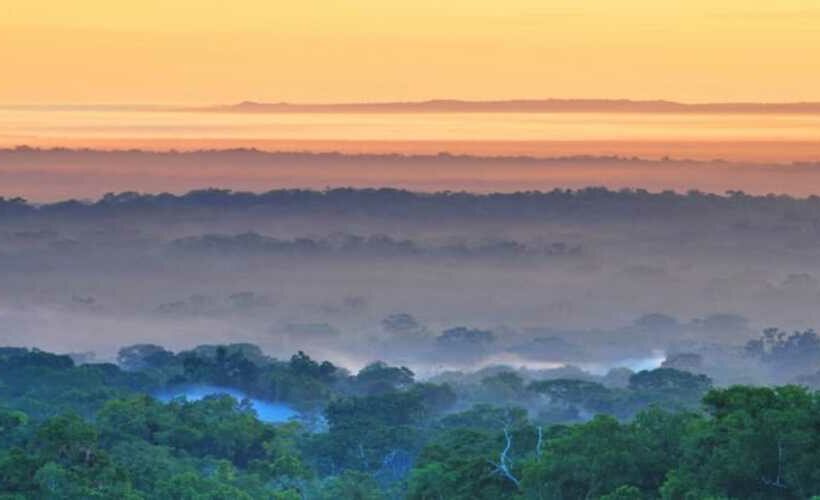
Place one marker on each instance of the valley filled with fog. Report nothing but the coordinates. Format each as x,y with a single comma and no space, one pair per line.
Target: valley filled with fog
589,280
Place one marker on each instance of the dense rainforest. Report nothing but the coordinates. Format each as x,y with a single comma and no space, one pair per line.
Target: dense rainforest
70,429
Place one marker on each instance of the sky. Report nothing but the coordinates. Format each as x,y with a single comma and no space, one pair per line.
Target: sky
210,52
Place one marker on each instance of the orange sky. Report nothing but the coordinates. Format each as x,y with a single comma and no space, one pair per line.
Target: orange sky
209,51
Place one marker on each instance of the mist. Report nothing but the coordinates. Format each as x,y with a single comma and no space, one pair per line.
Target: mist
594,279
51,175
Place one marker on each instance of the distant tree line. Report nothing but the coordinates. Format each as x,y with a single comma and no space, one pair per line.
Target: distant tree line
591,201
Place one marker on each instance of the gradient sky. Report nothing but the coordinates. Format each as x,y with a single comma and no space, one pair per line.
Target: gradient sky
209,51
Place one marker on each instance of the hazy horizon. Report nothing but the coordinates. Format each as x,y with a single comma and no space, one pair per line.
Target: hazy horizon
569,103
474,151
54,174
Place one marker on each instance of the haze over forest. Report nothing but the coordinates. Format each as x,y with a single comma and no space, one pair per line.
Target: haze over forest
389,226
321,271
409,250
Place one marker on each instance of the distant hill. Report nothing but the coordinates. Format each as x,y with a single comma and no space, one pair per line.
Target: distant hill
520,106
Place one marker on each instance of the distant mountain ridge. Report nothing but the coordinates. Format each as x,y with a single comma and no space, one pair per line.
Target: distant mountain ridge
520,106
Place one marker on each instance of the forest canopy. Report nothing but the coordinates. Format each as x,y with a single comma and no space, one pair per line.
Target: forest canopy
70,430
